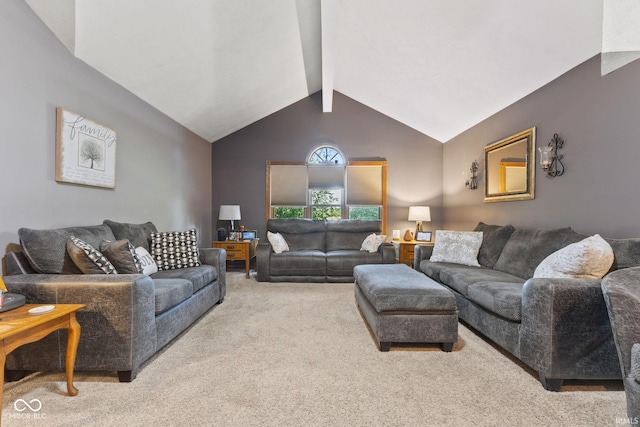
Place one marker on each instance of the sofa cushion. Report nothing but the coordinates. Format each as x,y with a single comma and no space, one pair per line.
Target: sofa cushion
501,298
527,247
122,255
199,276
175,249
589,258
494,237
459,247
171,292
298,263
626,252
137,234
348,234
88,259
301,234
46,249
460,277
341,263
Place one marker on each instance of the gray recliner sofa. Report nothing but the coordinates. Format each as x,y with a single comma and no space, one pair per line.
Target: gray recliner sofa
622,295
319,251
558,327
127,318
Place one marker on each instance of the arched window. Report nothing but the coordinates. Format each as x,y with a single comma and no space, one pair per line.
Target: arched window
326,155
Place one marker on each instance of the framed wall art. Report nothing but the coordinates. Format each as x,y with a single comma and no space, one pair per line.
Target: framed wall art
85,151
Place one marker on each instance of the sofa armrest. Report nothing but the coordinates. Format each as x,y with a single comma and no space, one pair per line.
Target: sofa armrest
118,322
565,330
420,253
216,257
388,253
263,255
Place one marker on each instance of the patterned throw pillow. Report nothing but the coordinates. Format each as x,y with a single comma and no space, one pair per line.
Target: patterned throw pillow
147,263
589,258
87,258
372,242
175,249
458,247
122,255
278,243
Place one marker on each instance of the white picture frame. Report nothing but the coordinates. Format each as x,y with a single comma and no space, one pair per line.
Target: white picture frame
85,151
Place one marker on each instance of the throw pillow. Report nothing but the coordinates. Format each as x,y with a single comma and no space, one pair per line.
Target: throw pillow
458,247
87,258
589,258
175,249
122,255
147,263
372,242
278,243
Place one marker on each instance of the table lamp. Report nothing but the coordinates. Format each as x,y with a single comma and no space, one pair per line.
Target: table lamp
419,214
230,213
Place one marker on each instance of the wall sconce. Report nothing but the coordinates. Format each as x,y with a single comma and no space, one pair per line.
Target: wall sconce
550,159
472,180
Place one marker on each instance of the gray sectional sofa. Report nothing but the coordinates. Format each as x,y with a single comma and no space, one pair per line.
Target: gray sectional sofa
319,251
128,317
558,327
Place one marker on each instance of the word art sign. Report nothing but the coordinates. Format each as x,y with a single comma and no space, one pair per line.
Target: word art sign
85,151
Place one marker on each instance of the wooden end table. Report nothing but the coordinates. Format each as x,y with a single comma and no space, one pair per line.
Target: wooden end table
243,250
405,250
19,327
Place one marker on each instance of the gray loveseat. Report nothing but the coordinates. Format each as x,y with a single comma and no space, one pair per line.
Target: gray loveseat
319,251
128,317
558,327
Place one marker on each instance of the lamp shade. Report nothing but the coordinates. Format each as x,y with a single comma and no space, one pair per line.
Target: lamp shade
419,213
229,213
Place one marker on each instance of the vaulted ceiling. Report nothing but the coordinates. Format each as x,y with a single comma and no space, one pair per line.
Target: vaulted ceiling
438,66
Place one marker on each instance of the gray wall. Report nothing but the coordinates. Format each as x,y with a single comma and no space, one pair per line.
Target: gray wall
163,171
414,160
598,117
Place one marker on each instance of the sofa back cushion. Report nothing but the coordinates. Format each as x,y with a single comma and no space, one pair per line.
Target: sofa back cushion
626,252
348,234
137,234
46,249
527,247
494,237
299,233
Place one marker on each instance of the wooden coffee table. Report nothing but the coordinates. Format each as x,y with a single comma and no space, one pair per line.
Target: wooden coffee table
19,327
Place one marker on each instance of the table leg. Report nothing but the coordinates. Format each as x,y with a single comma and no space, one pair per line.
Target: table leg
3,358
247,263
73,332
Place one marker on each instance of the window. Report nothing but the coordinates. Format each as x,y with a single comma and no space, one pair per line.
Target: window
326,187
326,155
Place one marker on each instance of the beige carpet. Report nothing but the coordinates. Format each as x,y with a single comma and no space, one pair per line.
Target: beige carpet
300,355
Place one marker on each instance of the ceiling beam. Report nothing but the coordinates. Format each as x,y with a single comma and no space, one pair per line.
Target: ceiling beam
328,23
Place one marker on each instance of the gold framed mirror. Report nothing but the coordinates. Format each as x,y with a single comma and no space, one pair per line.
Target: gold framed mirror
509,166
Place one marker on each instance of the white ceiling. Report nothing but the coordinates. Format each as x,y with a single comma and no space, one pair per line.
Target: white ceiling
438,66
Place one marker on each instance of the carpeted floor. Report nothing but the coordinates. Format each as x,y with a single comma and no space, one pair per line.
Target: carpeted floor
300,355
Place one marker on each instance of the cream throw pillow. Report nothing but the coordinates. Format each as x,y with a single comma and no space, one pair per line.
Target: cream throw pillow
372,242
458,247
278,243
590,258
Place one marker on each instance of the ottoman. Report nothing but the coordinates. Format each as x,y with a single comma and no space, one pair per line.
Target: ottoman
402,305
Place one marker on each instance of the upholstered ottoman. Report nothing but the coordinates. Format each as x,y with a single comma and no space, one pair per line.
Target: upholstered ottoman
402,305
